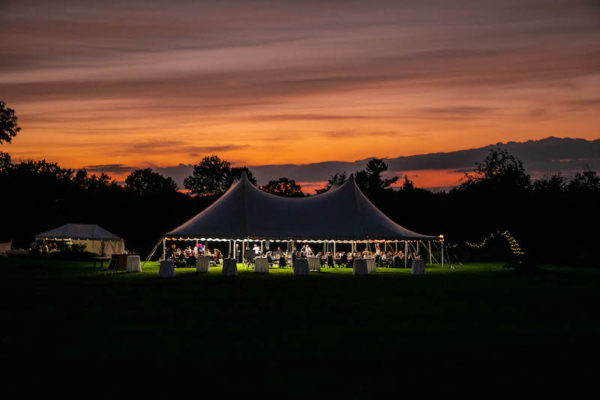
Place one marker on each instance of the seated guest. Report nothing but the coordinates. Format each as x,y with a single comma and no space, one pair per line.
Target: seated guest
176,253
309,251
321,259
190,261
329,260
282,261
344,259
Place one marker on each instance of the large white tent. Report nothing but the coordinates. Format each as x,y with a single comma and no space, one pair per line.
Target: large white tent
96,239
341,215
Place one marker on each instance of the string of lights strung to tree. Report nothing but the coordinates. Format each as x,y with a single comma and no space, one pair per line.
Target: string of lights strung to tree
515,248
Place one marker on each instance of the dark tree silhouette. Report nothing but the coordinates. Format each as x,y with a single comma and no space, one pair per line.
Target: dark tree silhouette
5,162
499,171
335,180
371,181
553,184
408,184
213,176
585,181
236,173
145,182
9,126
94,183
283,187
210,177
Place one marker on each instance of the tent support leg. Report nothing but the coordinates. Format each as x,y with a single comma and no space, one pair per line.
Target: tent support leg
442,253
164,254
243,250
406,254
429,244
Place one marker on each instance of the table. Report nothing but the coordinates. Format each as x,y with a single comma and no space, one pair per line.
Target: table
166,269
133,263
363,266
120,261
101,259
203,264
371,265
261,265
229,267
301,266
314,263
417,267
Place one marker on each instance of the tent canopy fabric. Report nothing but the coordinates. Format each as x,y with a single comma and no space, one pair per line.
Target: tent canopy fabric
79,231
343,213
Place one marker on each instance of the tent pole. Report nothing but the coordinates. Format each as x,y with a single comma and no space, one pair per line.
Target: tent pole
442,252
406,254
243,250
164,255
429,245
261,247
418,250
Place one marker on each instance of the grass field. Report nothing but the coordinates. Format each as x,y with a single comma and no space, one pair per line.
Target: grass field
477,327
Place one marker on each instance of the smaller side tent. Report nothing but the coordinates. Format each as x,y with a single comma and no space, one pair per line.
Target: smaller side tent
96,239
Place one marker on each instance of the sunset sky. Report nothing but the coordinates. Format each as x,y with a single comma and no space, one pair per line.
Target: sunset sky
152,83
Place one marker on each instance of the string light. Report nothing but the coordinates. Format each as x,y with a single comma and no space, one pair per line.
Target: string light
515,247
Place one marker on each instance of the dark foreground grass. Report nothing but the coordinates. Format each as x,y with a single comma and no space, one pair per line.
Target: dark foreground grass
478,329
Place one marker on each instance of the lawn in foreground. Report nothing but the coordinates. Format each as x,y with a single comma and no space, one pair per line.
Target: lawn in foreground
478,324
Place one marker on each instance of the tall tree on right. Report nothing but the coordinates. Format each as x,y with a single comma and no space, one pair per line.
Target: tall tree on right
499,171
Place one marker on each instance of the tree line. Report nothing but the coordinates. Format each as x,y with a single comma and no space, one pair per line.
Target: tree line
554,218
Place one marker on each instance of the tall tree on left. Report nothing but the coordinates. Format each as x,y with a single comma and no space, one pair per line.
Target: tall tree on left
9,126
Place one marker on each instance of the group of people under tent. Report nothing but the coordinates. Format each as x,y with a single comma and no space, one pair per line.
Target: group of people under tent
48,246
187,256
